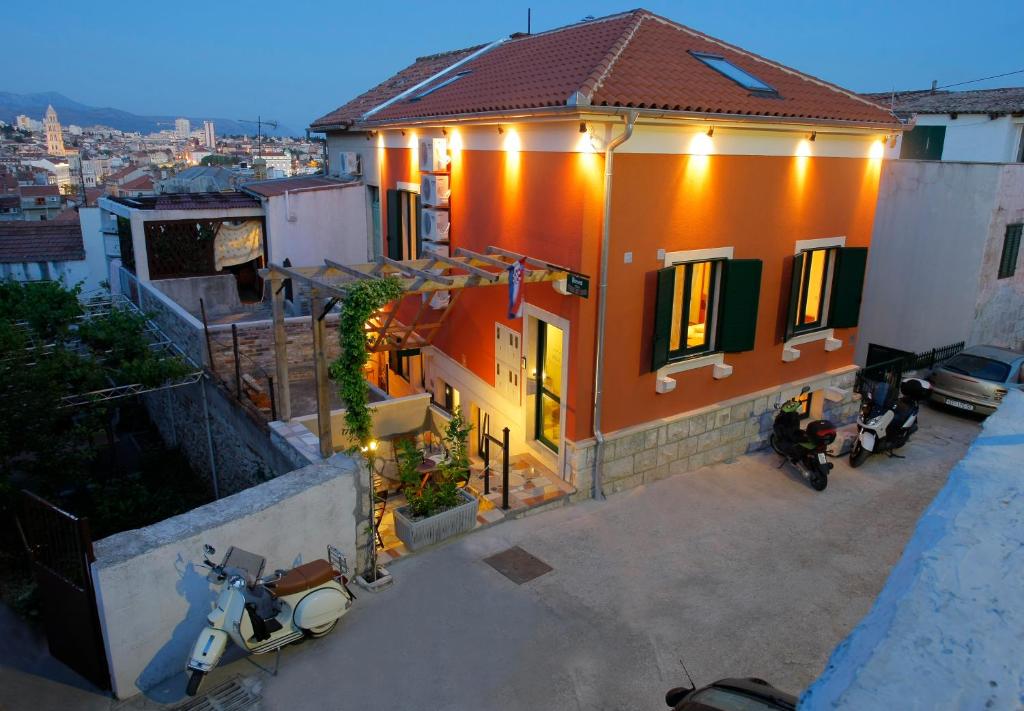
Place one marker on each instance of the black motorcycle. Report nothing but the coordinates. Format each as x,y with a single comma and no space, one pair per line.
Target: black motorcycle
805,448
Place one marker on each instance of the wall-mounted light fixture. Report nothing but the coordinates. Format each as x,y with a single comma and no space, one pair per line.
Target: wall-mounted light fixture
813,136
711,132
444,131
583,126
500,130
403,131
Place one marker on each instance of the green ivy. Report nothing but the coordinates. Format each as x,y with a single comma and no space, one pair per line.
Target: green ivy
364,298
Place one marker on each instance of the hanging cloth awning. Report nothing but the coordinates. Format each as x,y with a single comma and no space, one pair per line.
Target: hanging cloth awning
237,244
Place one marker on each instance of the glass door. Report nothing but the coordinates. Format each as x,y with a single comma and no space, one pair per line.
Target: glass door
549,385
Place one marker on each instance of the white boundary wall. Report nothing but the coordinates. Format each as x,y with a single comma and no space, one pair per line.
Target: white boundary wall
152,594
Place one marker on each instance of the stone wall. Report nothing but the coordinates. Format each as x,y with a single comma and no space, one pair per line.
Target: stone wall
242,453
152,593
177,324
689,441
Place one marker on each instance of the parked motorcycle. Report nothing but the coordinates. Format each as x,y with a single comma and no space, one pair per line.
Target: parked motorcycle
886,422
805,448
262,615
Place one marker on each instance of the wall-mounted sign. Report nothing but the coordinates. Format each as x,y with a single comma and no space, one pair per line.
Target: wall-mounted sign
578,284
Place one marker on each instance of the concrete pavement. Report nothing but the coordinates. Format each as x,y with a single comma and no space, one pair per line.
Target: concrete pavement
739,569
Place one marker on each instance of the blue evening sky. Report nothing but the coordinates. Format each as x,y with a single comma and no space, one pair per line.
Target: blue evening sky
297,60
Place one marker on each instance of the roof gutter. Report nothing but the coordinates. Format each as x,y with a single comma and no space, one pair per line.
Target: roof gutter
602,302
485,117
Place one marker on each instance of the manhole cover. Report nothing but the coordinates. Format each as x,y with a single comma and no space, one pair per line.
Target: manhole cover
229,696
517,565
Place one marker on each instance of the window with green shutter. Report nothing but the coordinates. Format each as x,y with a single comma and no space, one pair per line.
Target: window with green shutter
1011,250
826,288
847,287
705,306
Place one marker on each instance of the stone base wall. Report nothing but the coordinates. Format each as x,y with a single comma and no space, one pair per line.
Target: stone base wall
256,347
676,445
242,451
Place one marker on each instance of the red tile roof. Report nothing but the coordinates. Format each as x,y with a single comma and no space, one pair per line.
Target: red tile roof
636,59
39,190
143,182
272,188
423,68
41,242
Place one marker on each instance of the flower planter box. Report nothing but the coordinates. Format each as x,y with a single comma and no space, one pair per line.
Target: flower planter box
436,528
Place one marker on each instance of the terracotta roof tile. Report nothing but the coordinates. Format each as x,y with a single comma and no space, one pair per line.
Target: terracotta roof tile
1008,100
39,190
41,242
423,68
190,201
636,59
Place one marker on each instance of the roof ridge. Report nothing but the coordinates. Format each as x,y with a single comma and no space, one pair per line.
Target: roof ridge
522,36
604,67
765,60
440,55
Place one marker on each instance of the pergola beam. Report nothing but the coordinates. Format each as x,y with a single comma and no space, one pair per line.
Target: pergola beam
405,268
465,266
482,258
348,270
529,260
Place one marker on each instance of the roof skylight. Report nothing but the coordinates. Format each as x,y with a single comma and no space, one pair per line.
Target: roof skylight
727,68
446,82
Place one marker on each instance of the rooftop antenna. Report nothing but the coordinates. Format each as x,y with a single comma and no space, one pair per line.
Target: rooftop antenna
529,12
686,671
935,85
260,123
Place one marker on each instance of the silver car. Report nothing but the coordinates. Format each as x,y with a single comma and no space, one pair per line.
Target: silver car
977,378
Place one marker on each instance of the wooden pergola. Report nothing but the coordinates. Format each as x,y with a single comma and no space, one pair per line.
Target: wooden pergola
434,273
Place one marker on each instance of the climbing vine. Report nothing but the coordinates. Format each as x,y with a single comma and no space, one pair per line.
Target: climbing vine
364,298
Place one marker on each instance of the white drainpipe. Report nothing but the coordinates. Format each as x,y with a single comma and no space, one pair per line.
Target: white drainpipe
602,302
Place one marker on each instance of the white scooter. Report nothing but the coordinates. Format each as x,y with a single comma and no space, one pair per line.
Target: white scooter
262,615
886,423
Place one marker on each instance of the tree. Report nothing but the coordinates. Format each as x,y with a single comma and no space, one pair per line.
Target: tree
215,159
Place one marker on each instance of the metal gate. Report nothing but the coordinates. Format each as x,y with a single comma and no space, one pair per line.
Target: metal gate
60,547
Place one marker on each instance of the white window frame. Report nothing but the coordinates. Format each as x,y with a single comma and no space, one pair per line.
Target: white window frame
824,333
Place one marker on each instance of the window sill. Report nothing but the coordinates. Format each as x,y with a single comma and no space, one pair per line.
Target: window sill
665,383
791,353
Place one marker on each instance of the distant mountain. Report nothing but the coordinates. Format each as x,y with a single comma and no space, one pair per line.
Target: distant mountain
70,111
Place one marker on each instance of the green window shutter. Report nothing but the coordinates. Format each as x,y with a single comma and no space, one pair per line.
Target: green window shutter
1011,250
663,316
737,315
394,208
794,294
847,286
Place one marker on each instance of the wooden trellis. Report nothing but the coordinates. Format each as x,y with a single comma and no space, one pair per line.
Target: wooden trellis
433,273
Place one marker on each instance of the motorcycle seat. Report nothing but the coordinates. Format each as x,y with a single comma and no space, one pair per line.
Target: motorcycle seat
306,576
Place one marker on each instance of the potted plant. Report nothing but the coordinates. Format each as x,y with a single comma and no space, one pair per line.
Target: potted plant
438,508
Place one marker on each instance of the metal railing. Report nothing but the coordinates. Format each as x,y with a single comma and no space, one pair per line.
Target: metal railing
892,370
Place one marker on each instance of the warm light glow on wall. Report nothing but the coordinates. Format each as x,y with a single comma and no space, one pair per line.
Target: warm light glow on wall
414,158
511,142
701,145
512,146
877,151
803,148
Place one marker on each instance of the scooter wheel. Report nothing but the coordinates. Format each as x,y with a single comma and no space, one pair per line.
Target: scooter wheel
818,481
775,446
322,630
858,455
194,680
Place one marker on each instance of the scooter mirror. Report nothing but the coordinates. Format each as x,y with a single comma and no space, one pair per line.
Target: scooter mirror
805,389
208,549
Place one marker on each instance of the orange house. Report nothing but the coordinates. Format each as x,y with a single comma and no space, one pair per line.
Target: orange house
716,206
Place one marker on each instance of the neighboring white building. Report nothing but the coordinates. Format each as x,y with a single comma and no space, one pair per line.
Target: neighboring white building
945,262
310,219
279,162
26,123
209,137
34,251
986,125
182,127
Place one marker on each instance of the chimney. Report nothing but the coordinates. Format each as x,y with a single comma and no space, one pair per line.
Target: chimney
935,85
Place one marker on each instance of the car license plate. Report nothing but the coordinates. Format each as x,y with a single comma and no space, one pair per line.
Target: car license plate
821,457
959,404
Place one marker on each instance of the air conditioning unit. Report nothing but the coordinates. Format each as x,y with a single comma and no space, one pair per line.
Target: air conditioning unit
434,225
433,155
440,248
349,163
435,190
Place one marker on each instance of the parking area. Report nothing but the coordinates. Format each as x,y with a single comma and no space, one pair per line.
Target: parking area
737,569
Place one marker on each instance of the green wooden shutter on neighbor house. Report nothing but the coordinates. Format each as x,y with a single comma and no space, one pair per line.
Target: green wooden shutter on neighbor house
847,287
663,316
394,208
794,294
737,314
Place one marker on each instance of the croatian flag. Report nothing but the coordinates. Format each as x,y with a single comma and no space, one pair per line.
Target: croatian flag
516,270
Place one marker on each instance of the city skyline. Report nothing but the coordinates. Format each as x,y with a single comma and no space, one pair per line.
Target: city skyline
870,47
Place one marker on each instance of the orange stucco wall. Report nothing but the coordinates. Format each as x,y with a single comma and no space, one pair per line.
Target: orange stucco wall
549,205
758,205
